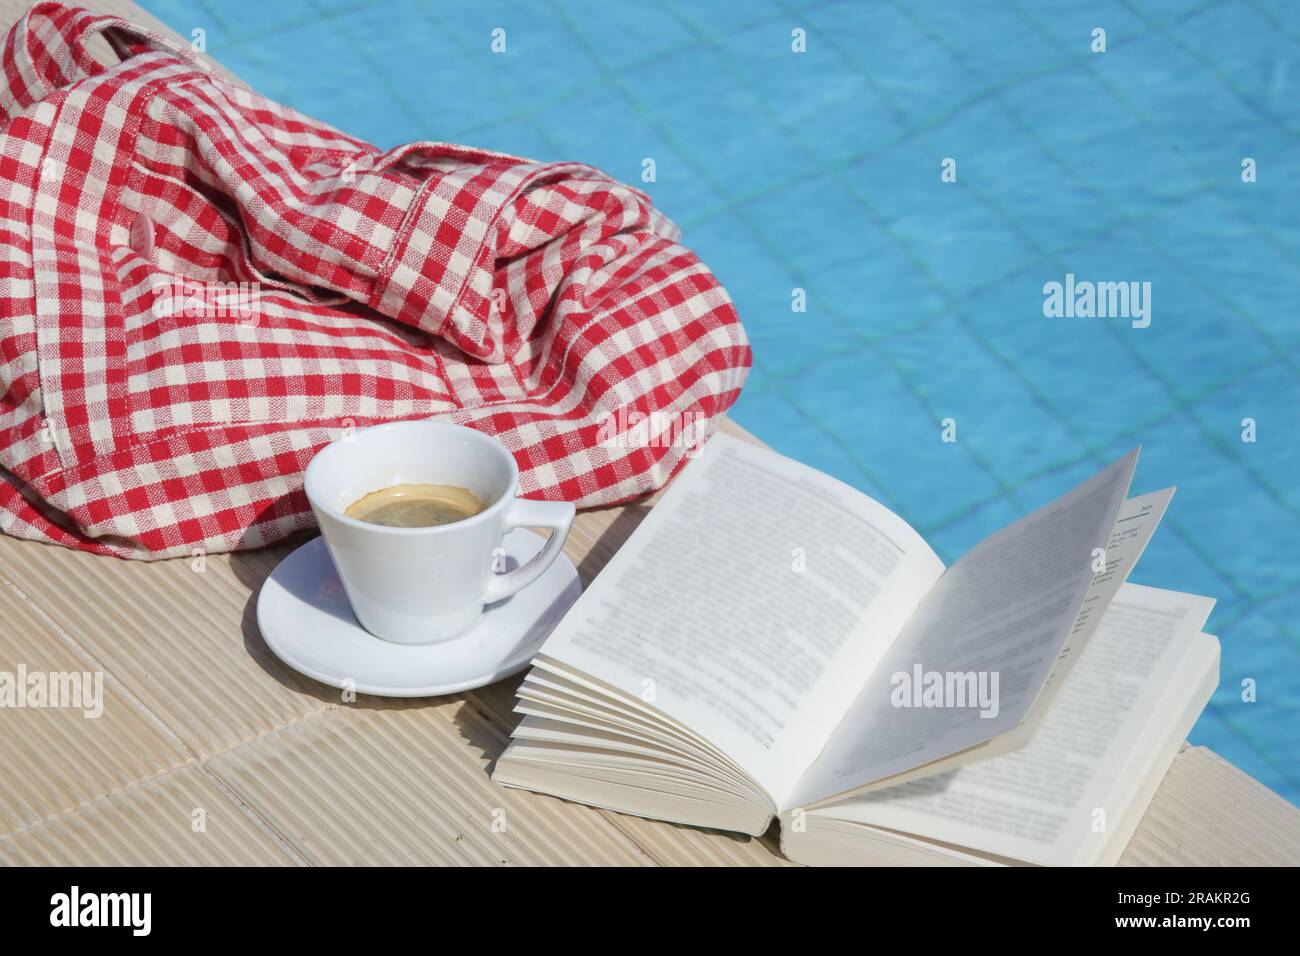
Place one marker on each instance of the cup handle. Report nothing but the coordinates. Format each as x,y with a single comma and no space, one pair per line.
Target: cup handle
556,515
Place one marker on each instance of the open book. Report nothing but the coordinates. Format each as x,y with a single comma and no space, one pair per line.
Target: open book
773,642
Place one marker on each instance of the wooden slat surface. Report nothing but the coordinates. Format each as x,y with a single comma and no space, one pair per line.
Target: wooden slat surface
201,716
203,723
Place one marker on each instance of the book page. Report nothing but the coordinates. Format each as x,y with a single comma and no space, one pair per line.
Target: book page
1041,804
1137,521
987,636
750,605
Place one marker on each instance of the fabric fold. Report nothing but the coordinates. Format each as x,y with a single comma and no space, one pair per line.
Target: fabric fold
203,287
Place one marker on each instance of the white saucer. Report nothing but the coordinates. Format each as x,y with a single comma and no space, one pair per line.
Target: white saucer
306,620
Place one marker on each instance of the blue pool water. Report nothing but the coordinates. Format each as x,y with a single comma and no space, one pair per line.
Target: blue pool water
821,171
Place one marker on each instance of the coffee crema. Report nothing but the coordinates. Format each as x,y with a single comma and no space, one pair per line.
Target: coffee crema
415,506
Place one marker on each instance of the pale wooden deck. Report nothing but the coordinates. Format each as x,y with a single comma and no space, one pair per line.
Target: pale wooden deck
201,717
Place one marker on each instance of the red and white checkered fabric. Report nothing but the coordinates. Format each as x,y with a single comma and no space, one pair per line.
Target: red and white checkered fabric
535,301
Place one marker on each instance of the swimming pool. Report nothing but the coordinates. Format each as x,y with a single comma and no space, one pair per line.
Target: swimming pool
822,171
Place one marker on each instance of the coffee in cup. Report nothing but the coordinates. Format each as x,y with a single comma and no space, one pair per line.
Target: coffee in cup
415,506
447,496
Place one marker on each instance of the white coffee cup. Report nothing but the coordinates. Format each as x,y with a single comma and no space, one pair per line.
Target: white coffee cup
422,585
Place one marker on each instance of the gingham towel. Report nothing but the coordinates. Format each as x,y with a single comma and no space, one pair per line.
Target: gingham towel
202,287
